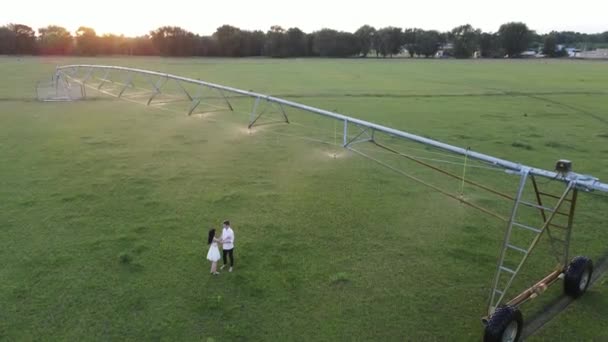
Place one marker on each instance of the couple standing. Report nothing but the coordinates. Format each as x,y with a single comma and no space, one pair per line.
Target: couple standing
227,241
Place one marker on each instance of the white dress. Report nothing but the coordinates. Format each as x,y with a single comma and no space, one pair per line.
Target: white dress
214,252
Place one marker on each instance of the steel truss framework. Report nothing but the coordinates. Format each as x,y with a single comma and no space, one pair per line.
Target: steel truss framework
559,235
58,89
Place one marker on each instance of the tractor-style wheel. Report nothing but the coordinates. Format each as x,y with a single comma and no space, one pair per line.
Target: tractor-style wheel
505,325
578,276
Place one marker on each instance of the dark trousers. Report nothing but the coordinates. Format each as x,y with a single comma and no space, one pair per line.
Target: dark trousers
230,253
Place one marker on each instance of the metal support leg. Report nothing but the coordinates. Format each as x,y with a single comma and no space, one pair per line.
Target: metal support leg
345,136
561,253
539,232
570,186
87,76
73,71
196,100
356,139
226,99
157,89
543,215
128,84
67,85
159,84
566,259
501,257
103,80
193,106
184,90
284,114
56,82
253,118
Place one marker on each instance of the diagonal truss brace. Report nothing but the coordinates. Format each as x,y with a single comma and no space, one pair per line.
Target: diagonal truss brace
225,99
184,90
128,83
104,79
498,295
88,75
255,115
156,87
198,98
365,134
561,254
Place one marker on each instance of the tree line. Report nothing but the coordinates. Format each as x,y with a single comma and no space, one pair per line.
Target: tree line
463,41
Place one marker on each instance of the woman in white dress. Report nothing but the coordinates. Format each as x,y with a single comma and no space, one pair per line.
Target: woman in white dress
214,252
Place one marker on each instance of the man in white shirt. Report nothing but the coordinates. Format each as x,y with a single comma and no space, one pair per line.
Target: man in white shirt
227,245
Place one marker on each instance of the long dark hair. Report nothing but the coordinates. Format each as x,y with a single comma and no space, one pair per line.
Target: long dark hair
211,236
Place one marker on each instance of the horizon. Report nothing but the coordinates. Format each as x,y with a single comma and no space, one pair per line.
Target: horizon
73,30
541,16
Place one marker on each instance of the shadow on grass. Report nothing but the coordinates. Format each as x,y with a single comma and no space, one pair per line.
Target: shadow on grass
552,309
340,279
522,145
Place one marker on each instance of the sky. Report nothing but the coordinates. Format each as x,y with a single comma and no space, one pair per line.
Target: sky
135,17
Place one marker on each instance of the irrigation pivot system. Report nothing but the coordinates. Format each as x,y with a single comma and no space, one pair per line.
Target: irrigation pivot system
555,211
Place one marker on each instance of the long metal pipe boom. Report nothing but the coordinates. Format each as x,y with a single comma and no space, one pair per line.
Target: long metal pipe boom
582,181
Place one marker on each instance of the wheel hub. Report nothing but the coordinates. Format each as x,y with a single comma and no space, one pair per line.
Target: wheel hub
584,281
510,332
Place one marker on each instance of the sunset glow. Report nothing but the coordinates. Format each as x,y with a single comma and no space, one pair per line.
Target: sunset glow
134,18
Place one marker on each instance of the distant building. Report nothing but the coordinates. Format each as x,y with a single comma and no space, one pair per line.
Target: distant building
445,50
572,51
529,54
594,54
567,51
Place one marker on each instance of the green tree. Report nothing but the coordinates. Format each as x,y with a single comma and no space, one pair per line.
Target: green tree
514,38
550,45
7,41
25,39
54,40
365,39
410,40
161,40
428,43
252,43
489,45
206,46
142,46
296,42
86,41
229,40
466,40
332,43
174,41
111,44
276,42
390,41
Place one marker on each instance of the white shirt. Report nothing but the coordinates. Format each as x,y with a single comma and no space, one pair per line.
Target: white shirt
228,238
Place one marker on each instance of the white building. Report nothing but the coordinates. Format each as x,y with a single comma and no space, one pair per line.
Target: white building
594,54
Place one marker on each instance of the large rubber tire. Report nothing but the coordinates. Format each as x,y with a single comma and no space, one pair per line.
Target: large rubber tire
578,276
506,324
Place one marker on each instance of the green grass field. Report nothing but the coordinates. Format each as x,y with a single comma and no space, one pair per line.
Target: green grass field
105,204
